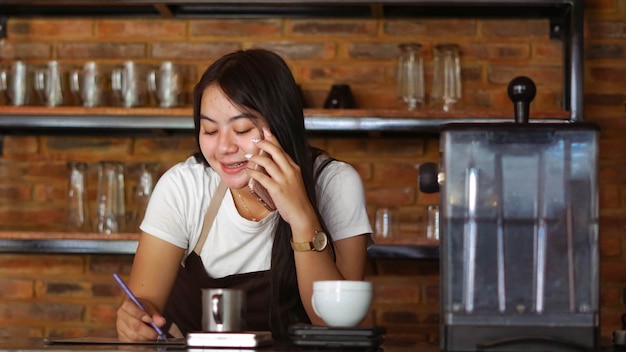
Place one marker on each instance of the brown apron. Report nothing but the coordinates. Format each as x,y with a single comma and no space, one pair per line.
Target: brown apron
184,306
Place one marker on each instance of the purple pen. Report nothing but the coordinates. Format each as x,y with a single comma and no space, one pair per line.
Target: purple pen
132,297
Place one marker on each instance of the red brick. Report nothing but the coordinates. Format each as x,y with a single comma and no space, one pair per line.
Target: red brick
109,264
148,29
18,145
605,99
15,265
373,51
16,289
20,331
610,296
402,174
552,51
515,28
101,50
192,51
399,293
609,196
390,195
608,74
613,271
13,193
64,331
426,29
63,289
25,51
236,27
104,313
51,29
540,75
41,311
332,27
300,50
610,247
338,74
606,29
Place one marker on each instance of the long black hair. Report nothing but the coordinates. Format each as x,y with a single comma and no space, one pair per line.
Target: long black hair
260,80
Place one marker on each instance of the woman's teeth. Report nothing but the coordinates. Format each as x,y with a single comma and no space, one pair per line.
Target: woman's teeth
236,165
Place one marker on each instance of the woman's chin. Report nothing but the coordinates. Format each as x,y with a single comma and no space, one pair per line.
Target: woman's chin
236,182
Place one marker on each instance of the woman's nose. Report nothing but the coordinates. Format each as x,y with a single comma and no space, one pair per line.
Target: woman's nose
228,143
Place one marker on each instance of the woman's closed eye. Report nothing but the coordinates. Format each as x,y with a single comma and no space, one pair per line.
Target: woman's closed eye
244,131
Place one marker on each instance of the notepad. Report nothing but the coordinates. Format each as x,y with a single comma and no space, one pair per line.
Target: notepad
89,340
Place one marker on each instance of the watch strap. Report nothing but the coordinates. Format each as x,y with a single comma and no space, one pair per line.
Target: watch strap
301,246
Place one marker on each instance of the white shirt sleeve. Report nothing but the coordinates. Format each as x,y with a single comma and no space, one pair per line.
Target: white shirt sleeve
176,209
342,201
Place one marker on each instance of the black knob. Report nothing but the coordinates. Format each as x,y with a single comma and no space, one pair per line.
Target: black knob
427,177
522,91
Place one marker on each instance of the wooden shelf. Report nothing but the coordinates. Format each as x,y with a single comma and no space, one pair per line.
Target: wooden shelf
126,243
77,120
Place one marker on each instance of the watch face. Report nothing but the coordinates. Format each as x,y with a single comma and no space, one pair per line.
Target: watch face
319,241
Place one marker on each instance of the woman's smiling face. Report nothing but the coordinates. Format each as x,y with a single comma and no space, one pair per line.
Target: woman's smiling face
226,133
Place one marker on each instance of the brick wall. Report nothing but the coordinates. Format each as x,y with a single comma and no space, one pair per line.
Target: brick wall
73,295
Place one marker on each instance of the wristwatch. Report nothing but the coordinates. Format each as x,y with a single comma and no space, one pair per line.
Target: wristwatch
318,243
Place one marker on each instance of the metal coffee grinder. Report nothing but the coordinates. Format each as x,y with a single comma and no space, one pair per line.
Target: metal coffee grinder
519,232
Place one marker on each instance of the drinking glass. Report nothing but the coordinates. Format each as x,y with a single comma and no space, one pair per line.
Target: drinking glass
386,223
52,84
432,228
446,90
410,75
77,214
16,83
129,82
110,207
146,180
166,84
89,84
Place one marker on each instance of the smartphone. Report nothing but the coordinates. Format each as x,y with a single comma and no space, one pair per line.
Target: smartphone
342,338
259,191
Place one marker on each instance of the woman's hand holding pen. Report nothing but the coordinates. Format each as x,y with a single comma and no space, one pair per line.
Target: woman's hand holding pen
284,182
133,323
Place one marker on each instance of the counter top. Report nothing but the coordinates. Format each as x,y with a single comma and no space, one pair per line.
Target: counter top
37,344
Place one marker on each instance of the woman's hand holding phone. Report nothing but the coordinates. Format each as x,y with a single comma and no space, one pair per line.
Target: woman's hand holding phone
259,191
280,177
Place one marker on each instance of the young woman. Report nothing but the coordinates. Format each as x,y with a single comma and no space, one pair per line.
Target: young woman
247,113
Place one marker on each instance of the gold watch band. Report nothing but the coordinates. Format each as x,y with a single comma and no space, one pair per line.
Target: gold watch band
318,243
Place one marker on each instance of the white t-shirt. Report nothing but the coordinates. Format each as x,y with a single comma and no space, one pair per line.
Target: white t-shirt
234,244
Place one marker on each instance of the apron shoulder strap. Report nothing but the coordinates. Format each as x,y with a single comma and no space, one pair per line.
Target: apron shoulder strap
210,214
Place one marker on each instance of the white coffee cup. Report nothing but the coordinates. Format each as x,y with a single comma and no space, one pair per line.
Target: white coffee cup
342,303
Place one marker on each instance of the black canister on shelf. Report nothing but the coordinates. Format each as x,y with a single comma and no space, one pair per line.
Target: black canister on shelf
340,97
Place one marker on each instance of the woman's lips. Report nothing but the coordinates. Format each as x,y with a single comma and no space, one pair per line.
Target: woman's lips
234,168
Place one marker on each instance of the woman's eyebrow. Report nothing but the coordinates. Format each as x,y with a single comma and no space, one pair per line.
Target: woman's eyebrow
243,115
